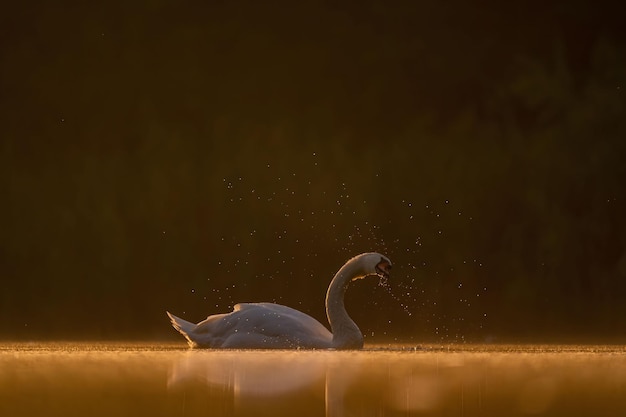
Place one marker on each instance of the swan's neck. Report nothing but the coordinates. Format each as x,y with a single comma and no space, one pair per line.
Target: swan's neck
346,334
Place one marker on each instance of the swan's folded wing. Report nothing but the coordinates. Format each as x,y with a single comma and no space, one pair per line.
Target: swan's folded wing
276,319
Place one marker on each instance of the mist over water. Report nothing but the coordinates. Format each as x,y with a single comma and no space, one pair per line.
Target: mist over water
60,379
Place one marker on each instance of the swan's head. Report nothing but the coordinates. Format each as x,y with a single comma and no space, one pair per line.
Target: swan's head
373,264
383,267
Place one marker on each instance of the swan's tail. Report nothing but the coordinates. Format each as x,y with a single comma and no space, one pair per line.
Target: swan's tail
185,328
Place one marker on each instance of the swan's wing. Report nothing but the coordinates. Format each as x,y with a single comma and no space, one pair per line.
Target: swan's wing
259,325
276,324
280,315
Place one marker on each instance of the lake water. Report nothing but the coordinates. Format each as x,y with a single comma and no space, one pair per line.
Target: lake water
119,379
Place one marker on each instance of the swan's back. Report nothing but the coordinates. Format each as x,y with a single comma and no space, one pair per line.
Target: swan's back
260,325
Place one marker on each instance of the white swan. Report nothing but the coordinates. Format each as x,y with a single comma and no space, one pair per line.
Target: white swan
274,326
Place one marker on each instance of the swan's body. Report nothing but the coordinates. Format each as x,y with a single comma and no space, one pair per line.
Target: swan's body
269,325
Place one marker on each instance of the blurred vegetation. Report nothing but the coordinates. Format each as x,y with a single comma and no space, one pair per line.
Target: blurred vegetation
186,158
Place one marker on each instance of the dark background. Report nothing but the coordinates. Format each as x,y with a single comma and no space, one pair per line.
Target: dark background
185,156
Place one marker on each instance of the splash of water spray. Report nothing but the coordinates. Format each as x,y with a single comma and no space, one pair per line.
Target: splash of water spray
384,282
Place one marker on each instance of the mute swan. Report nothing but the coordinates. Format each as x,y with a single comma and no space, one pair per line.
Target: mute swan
274,326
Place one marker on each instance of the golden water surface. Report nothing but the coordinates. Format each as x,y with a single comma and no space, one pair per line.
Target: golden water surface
116,379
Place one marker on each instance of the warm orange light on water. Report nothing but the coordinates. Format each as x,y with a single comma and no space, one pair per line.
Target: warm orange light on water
117,379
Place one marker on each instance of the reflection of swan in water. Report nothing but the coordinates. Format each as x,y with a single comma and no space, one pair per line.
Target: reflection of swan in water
268,325
261,379
254,374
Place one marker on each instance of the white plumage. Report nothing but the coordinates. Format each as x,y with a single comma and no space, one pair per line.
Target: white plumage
274,326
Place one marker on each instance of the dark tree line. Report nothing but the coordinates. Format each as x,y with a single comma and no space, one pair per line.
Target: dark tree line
171,157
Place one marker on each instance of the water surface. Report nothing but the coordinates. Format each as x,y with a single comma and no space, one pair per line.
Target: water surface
124,379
